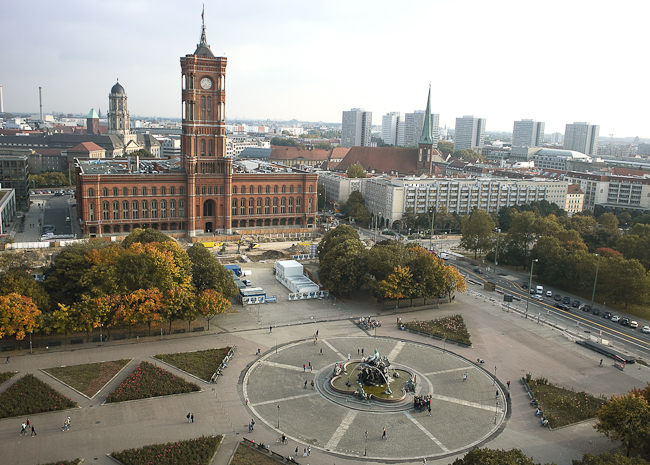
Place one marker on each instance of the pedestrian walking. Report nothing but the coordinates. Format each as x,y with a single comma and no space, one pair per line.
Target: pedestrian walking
305,384
192,418
312,384
601,362
362,351
321,351
304,367
316,333
188,417
270,329
27,423
33,431
464,377
348,357
358,351
308,451
496,396
383,435
22,428
429,409
309,365
296,452
7,361
508,383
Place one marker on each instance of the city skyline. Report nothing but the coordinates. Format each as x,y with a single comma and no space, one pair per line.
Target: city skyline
281,67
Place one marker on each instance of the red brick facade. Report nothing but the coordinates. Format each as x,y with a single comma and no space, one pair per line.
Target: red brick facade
208,194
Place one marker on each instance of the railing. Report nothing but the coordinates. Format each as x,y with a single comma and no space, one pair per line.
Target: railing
223,365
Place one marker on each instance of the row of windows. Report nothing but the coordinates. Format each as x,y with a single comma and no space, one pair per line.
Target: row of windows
136,191
135,210
253,207
267,189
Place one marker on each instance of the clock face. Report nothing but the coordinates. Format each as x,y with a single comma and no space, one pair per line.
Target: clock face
206,83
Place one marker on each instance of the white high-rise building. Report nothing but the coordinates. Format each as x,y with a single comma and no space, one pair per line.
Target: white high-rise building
528,133
413,123
582,137
469,133
356,128
390,124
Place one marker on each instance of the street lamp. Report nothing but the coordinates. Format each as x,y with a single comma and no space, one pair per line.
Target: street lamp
496,252
365,448
593,293
278,417
495,375
30,342
433,216
530,284
101,337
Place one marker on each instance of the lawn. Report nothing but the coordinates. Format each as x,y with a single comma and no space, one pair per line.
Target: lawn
197,451
202,363
88,379
28,396
248,456
563,406
148,380
6,375
449,327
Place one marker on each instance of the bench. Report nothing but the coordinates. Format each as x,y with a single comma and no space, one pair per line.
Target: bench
523,380
179,331
198,328
76,341
530,394
54,343
9,348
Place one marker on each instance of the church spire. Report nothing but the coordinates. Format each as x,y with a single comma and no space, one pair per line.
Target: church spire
426,137
203,48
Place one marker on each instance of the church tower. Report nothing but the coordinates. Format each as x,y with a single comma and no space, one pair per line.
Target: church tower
425,145
203,139
119,121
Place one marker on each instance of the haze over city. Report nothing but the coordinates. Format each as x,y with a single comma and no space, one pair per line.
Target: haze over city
506,60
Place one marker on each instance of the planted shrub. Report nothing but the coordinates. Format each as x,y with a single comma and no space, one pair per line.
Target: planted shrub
30,395
197,451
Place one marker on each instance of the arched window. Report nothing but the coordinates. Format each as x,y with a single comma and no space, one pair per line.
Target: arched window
242,207
181,208
209,145
145,209
197,190
210,190
163,209
91,192
267,206
259,189
284,189
115,192
202,148
163,190
116,210
135,209
105,192
172,208
135,191
298,204
91,212
251,189
125,210
275,205
291,189
283,205
203,191
234,207
144,191
154,209
125,191
203,109
310,203
311,188
234,189
220,190
181,190
268,189
290,204
172,190
275,189
251,206
153,191
105,212
243,189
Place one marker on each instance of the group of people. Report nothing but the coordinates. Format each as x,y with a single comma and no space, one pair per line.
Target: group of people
539,412
422,402
24,428
369,322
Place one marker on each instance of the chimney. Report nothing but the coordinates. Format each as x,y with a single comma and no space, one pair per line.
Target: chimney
137,163
40,101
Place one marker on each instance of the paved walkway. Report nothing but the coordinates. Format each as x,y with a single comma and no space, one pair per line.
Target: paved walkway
512,344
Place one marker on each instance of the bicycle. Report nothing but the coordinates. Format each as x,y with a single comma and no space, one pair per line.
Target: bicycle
282,440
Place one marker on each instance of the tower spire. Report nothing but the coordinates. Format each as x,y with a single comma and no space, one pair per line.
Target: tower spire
426,137
203,48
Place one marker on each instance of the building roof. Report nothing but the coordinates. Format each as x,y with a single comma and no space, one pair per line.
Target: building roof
259,153
296,153
203,49
562,153
93,114
118,89
426,137
381,159
574,189
86,147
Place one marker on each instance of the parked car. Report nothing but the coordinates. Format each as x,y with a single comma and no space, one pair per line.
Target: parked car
540,289
566,300
586,308
645,330
524,285
247,282
478,270
558,297
549,293
634,324
538,297
596,311
615,319
607,315
576,303
532,291
625,321
564,307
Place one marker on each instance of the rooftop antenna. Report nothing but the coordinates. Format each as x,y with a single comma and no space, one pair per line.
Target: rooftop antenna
40,101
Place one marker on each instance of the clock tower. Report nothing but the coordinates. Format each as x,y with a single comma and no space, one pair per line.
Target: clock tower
203,140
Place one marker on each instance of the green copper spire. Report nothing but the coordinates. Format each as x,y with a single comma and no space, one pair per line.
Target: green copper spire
426,138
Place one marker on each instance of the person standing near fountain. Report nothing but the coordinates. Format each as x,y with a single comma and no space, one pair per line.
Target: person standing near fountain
383,435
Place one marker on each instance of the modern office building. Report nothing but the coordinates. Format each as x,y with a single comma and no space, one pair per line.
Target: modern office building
14,174
469,133
356,128
390,124
528,133
413,123
582,137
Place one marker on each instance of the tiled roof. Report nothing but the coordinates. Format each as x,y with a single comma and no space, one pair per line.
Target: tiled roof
381,159
574,189
293,153
86,147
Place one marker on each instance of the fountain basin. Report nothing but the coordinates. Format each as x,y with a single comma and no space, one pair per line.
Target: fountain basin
374,391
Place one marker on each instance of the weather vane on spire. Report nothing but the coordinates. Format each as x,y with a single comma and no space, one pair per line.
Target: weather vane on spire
203,13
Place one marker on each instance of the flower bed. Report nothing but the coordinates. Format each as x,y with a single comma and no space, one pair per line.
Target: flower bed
148,380
248,456
28,396
202,363
88,379
563,406
65,462
449,327
197,451
6,375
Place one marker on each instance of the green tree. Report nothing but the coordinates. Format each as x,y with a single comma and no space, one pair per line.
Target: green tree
428,274
324,146
522,233
478,228
494,457
145,236
445,147
355,208
626,419
609,459
334,237
142,153
18,315
343,268
282,142
384,257
624,280
210,303
453,281
397,285
636,244
208,273
356,171
19,281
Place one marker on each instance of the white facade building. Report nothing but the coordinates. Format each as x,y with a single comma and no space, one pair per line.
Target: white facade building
356,128
527,133
413,123
338,187
469,133
582,137
390,124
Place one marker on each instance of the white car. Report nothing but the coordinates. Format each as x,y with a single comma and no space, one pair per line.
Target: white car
549,293
634,324
615,319
646,330
538,297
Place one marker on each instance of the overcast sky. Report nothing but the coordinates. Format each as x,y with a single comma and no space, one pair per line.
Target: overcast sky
553,61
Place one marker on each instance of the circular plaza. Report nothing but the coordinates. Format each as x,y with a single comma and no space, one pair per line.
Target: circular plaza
290,390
